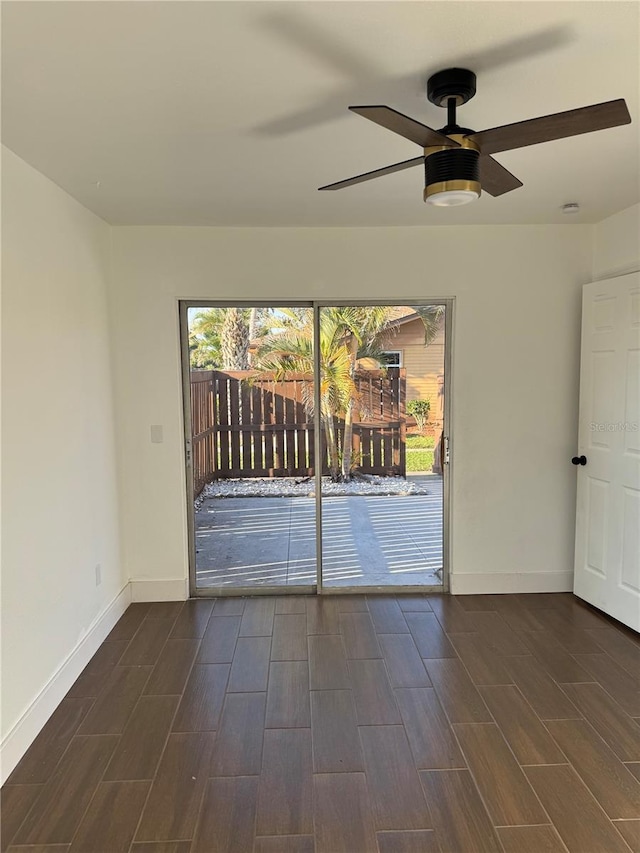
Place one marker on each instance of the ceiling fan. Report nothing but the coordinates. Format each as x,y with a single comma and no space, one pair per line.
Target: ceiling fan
458,162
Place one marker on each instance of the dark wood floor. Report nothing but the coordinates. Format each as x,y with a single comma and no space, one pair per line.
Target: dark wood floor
476,724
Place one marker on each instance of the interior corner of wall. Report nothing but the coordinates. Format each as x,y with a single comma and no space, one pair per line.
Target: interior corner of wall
152,589
25,730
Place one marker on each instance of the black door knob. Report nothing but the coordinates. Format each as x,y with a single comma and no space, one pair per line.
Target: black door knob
579,460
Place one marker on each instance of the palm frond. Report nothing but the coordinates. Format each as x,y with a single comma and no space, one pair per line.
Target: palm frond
432,317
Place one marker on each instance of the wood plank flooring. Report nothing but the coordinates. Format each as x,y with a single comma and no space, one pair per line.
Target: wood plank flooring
342,724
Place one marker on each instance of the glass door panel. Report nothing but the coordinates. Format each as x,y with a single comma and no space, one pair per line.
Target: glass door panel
382,416
250,396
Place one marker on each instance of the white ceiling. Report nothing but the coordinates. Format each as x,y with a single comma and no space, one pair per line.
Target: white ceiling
233,113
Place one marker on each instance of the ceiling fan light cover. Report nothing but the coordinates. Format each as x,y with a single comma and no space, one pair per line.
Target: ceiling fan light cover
451,197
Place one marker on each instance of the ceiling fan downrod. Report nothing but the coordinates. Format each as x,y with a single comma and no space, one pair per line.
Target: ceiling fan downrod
451,112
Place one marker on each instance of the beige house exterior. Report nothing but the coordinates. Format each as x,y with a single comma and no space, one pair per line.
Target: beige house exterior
405,343
424,365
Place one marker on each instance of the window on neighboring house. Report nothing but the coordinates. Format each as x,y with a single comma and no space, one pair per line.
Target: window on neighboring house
392,358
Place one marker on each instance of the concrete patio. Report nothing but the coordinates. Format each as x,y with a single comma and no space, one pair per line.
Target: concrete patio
367,541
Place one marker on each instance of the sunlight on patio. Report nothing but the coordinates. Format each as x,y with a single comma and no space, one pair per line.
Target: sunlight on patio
367,541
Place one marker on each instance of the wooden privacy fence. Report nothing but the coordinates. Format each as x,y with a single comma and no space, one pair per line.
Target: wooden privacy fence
249,424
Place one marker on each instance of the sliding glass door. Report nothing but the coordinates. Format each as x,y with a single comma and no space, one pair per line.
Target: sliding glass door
316,446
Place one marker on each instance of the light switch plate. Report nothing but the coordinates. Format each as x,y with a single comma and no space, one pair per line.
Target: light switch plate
156,434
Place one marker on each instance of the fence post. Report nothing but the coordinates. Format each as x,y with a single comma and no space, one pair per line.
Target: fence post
213,408
402,416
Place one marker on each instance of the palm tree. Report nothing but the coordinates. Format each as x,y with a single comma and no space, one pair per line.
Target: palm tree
235,338
205,348
363,329
219,338
346,334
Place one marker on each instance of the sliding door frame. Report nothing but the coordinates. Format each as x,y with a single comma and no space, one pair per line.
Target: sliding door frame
391,589
318,587
218,591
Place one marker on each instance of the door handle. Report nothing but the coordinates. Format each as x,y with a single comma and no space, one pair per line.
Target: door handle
579,460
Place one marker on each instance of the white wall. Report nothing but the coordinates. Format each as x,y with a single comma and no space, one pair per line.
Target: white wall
59,485
616,244
517,334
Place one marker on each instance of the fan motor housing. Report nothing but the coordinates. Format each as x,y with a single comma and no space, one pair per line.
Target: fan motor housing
458,83
447,168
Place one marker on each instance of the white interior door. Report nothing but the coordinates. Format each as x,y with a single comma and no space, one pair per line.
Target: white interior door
607,566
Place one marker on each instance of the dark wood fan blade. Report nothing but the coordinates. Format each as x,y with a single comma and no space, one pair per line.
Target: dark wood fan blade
378,173
494,178
404,126
556,126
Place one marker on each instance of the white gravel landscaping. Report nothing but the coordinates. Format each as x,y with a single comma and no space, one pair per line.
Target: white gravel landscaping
286,487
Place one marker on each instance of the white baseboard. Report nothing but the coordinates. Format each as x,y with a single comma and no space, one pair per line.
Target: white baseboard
504,582
176,589
20,737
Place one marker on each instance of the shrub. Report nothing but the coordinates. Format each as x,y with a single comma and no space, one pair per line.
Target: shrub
420,411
